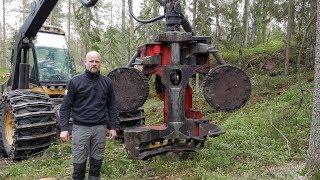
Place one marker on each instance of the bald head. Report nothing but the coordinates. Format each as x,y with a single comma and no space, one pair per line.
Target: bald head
93,55
93,61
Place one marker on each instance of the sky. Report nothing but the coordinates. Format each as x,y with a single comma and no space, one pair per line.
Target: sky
14,18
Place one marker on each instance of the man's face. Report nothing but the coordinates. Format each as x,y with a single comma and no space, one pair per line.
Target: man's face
93,62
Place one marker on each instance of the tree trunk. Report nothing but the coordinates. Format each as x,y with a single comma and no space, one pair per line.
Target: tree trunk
111,14
301,17
24,9
4,46
244,36
217,14
245,23
313,159
123,29
289,34
263,26
311,36
194,13
304,37
69,21
194,17
2,62
132,38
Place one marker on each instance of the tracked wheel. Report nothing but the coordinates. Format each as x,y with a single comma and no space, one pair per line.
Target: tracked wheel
28,124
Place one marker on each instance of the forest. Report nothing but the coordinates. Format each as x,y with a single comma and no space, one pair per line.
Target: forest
275,42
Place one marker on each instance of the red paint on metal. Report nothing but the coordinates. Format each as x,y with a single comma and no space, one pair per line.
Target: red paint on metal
193,114
189,113
188,98
196,129
153,49
166,56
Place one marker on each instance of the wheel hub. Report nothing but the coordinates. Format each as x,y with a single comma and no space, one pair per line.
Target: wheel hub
9,130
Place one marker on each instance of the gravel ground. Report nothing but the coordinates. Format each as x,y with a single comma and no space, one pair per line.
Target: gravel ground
288,171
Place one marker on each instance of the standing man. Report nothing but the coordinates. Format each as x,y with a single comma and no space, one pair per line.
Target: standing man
91,101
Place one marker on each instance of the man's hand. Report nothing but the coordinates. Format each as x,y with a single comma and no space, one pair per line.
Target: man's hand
64,136
112,134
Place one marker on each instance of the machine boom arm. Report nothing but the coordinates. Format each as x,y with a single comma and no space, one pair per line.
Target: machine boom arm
40,10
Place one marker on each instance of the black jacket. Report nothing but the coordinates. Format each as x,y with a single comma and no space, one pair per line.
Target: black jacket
90,98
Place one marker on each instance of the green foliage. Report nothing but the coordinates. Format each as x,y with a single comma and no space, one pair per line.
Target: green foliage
112,48
55,18
316,175
148,32
263,11
271,47
203,18
153,111
232,22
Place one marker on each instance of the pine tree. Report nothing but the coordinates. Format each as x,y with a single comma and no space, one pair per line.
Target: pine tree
313,159
290,22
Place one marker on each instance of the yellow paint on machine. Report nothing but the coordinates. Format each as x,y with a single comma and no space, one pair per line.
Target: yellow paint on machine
46,90
8,123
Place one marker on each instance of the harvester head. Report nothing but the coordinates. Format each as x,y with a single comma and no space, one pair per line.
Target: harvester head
174,57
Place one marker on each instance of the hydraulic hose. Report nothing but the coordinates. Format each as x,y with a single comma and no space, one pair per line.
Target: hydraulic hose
186,24
140,20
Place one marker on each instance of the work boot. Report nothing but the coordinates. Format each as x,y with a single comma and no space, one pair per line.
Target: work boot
79,170
94,171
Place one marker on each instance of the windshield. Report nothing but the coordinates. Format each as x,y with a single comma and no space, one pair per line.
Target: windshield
53,56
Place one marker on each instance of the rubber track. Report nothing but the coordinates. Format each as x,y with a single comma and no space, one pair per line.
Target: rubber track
34,123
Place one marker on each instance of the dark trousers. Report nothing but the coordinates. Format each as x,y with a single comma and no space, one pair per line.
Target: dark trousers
87,141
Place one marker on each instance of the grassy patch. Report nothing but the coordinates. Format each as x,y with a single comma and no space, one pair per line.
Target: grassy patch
256,53
54,162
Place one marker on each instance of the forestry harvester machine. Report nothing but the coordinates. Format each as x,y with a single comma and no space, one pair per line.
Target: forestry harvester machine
173,58
41,66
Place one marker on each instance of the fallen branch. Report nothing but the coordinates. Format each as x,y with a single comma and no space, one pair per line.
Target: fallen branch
284,137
